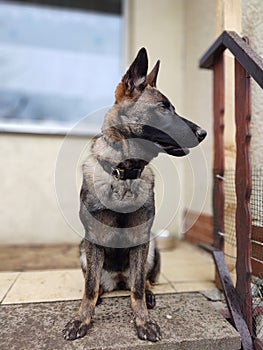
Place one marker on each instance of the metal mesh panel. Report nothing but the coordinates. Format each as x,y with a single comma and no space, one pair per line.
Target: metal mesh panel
257,197
257,249
230,201
257,245
230,208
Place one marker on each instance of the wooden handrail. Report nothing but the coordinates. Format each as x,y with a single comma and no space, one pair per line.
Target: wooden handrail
247,64
246,56
219,152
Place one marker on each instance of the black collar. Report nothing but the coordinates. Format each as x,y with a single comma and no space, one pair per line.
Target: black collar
120,173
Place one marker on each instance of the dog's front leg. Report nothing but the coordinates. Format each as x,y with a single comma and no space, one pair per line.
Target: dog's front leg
79,325
146,328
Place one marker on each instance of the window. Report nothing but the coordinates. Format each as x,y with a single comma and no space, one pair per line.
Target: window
57,63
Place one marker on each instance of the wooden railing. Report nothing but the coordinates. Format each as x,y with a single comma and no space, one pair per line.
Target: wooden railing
247,64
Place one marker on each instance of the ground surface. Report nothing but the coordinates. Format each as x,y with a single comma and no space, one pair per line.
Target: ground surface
188,321
41,288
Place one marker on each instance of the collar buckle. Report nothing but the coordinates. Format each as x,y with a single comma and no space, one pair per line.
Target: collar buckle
116,173
124,174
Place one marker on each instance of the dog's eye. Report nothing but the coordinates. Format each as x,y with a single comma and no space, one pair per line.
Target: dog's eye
165,105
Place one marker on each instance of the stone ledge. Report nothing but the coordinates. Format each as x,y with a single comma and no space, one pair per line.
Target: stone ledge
188,322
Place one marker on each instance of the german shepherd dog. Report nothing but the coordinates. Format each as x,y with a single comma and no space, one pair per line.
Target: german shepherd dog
117,199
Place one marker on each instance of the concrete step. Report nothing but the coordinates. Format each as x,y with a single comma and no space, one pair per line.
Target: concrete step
187,320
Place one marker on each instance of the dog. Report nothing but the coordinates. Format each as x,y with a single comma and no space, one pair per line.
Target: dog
117,198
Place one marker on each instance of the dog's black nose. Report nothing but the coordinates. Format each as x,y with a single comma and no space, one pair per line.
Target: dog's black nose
201,134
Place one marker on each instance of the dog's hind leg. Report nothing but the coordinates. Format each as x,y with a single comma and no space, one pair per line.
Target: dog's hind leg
152,274
79,325
149,296
154,271
152,277
146,328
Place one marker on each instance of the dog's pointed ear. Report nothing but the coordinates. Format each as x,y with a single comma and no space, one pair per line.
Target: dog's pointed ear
135,76
135,79
152,76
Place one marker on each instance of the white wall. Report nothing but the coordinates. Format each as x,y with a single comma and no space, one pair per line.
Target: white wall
200,27
252,26
29,209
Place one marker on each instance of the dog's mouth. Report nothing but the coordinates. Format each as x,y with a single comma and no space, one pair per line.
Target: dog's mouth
177,145
172,150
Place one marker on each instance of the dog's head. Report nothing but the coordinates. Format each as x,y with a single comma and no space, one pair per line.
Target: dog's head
145,113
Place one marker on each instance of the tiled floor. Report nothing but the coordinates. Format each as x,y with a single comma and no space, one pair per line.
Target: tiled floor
185,269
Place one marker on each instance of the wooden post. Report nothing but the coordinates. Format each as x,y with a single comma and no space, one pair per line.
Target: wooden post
219,154
243,191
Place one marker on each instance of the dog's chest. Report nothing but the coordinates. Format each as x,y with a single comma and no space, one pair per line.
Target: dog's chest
123,196
116,213
129,190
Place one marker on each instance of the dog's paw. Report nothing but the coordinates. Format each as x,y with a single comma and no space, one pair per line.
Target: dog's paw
149,330
75,329
150,299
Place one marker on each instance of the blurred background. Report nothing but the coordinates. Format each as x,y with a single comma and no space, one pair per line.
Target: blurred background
61,60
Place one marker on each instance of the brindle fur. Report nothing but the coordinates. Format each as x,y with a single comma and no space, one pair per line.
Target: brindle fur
117,252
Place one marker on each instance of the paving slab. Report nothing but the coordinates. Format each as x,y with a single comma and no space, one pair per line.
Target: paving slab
188,322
